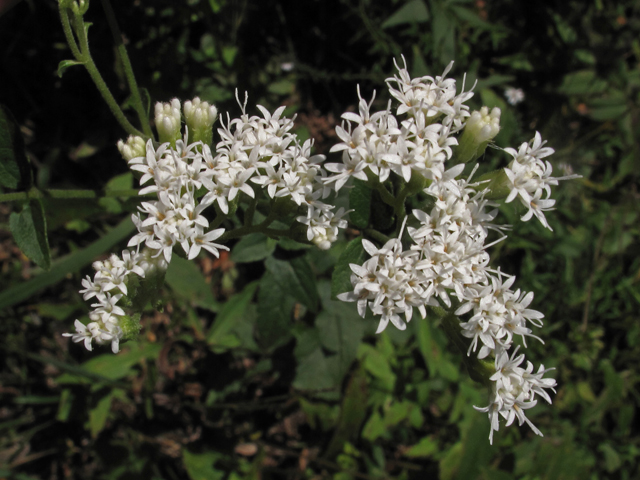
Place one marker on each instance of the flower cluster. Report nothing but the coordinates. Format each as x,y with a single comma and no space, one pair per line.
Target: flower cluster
446,264
107,287
530,177
187,178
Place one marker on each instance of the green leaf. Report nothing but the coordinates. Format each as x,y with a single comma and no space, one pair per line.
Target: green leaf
231,312
471,18
582,82
360,202
15,171
66,265
341,278
29,229
341,329
200,465
424,448
98,414
295,277
253,248
187,281
118,366
274,312
64,64
352,413
414,11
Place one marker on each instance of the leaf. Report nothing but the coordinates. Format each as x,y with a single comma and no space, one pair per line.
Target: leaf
15,171
187,281
341,278
274,312
200,465
253,248
118,366
360,202
414,11
352,414
29,229
98,415
582,82
230,313
297,279
424,448
64,64
472,18
341,329
66,265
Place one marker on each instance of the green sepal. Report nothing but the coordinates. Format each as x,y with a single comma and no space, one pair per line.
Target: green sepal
64,64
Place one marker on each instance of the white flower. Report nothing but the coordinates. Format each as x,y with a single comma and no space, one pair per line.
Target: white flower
83,334
514,95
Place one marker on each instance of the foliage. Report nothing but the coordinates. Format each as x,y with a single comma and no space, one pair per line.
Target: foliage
252,370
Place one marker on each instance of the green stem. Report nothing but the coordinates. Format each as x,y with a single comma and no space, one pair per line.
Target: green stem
69,194
248,214
399,209
479,370
83,55
68,33
128,70
374,182
376,235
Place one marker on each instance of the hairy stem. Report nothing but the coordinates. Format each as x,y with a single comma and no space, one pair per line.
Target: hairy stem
128,70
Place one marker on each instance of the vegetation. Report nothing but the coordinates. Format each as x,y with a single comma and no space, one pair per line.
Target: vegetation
242,373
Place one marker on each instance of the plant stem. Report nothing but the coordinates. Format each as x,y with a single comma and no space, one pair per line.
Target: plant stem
68,33
128,70
82,54
69,194
479,370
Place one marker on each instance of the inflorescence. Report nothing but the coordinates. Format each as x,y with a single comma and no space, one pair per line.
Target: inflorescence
442,261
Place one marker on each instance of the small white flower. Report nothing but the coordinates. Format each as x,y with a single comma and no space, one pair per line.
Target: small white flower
514,95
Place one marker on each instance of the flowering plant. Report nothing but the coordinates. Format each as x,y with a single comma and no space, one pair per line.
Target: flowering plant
420,215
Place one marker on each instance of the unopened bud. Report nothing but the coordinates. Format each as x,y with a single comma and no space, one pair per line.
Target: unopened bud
132,148
480,129
167,117
200,117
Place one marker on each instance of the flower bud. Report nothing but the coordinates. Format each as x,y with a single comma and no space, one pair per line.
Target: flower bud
167,117
132,148
200,117
480,129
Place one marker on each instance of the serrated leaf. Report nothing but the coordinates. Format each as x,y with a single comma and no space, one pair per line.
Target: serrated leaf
360,202
253,248
29,229
64,64
297,279
341,278
414,11
14,165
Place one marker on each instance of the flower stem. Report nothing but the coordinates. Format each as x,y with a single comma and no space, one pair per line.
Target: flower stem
81,53
69,194
479,370
128,70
